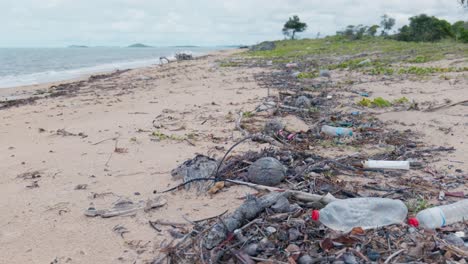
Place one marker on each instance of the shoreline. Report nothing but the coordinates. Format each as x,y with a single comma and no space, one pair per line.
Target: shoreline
84,76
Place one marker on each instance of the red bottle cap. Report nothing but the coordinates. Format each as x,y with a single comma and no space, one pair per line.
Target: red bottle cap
413,222
315,215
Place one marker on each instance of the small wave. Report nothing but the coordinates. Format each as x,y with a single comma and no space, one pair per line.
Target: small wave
54,75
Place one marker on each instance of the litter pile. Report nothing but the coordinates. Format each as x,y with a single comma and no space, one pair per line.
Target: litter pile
302,213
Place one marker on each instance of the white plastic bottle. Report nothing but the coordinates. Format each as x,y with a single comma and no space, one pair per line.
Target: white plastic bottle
387,164
367,213
337,131
440,216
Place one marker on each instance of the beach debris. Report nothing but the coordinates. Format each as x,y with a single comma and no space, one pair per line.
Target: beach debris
122,207
265,106
365,213
197,168
120,230
324,73
163,60
156,202
242,215
291,65
81,187
126,207
387,164
183,56
303,102
267,171
440,216
296,74
364,62
266,45
336,131
62,132
272,127
30,175
33,185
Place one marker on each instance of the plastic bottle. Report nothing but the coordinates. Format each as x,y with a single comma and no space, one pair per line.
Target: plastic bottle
440,216
336,131
367,213
387,164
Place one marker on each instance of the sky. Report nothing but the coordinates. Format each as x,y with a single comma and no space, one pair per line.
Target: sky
55,23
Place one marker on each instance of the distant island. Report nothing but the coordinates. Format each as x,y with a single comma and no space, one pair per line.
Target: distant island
78,46
139,45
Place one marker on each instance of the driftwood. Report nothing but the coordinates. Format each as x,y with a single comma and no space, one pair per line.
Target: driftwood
445,106
183,56
245,213
302,196
253,207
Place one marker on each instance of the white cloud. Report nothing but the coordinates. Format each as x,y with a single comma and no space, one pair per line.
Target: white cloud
202,22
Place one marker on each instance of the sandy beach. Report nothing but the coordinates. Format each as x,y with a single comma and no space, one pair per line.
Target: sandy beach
43,212
104,142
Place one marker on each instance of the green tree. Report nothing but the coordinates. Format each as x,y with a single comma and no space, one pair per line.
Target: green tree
352,32
372,30
387,24
460,30
425,28
293,26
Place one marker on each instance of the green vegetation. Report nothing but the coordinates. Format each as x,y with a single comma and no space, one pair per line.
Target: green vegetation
390,50
425,28
161,136
381,102
402,100
229,64
417,205
377,102
293,26
387,24
247,114
308,75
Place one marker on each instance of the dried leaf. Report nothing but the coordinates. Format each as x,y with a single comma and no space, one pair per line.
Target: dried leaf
216,188
326,244
357,231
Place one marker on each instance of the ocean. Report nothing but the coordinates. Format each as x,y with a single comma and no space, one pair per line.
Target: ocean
28,66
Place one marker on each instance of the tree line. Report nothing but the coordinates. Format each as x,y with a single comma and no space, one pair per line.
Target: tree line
421,28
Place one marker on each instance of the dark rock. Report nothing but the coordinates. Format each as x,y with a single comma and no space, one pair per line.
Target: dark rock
294,234
251,250
272,127
199,167
373,255
267,171
303,102
306,259
266,45
282,235
324,73
281,206
349,258
452,239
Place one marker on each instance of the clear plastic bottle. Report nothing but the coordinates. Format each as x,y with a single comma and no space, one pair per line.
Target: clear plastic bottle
440,216
367,213
337,131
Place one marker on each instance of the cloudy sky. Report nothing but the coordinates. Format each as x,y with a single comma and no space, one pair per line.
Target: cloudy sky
37,23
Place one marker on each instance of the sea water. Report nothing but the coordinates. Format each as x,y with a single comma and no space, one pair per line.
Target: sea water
28,66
